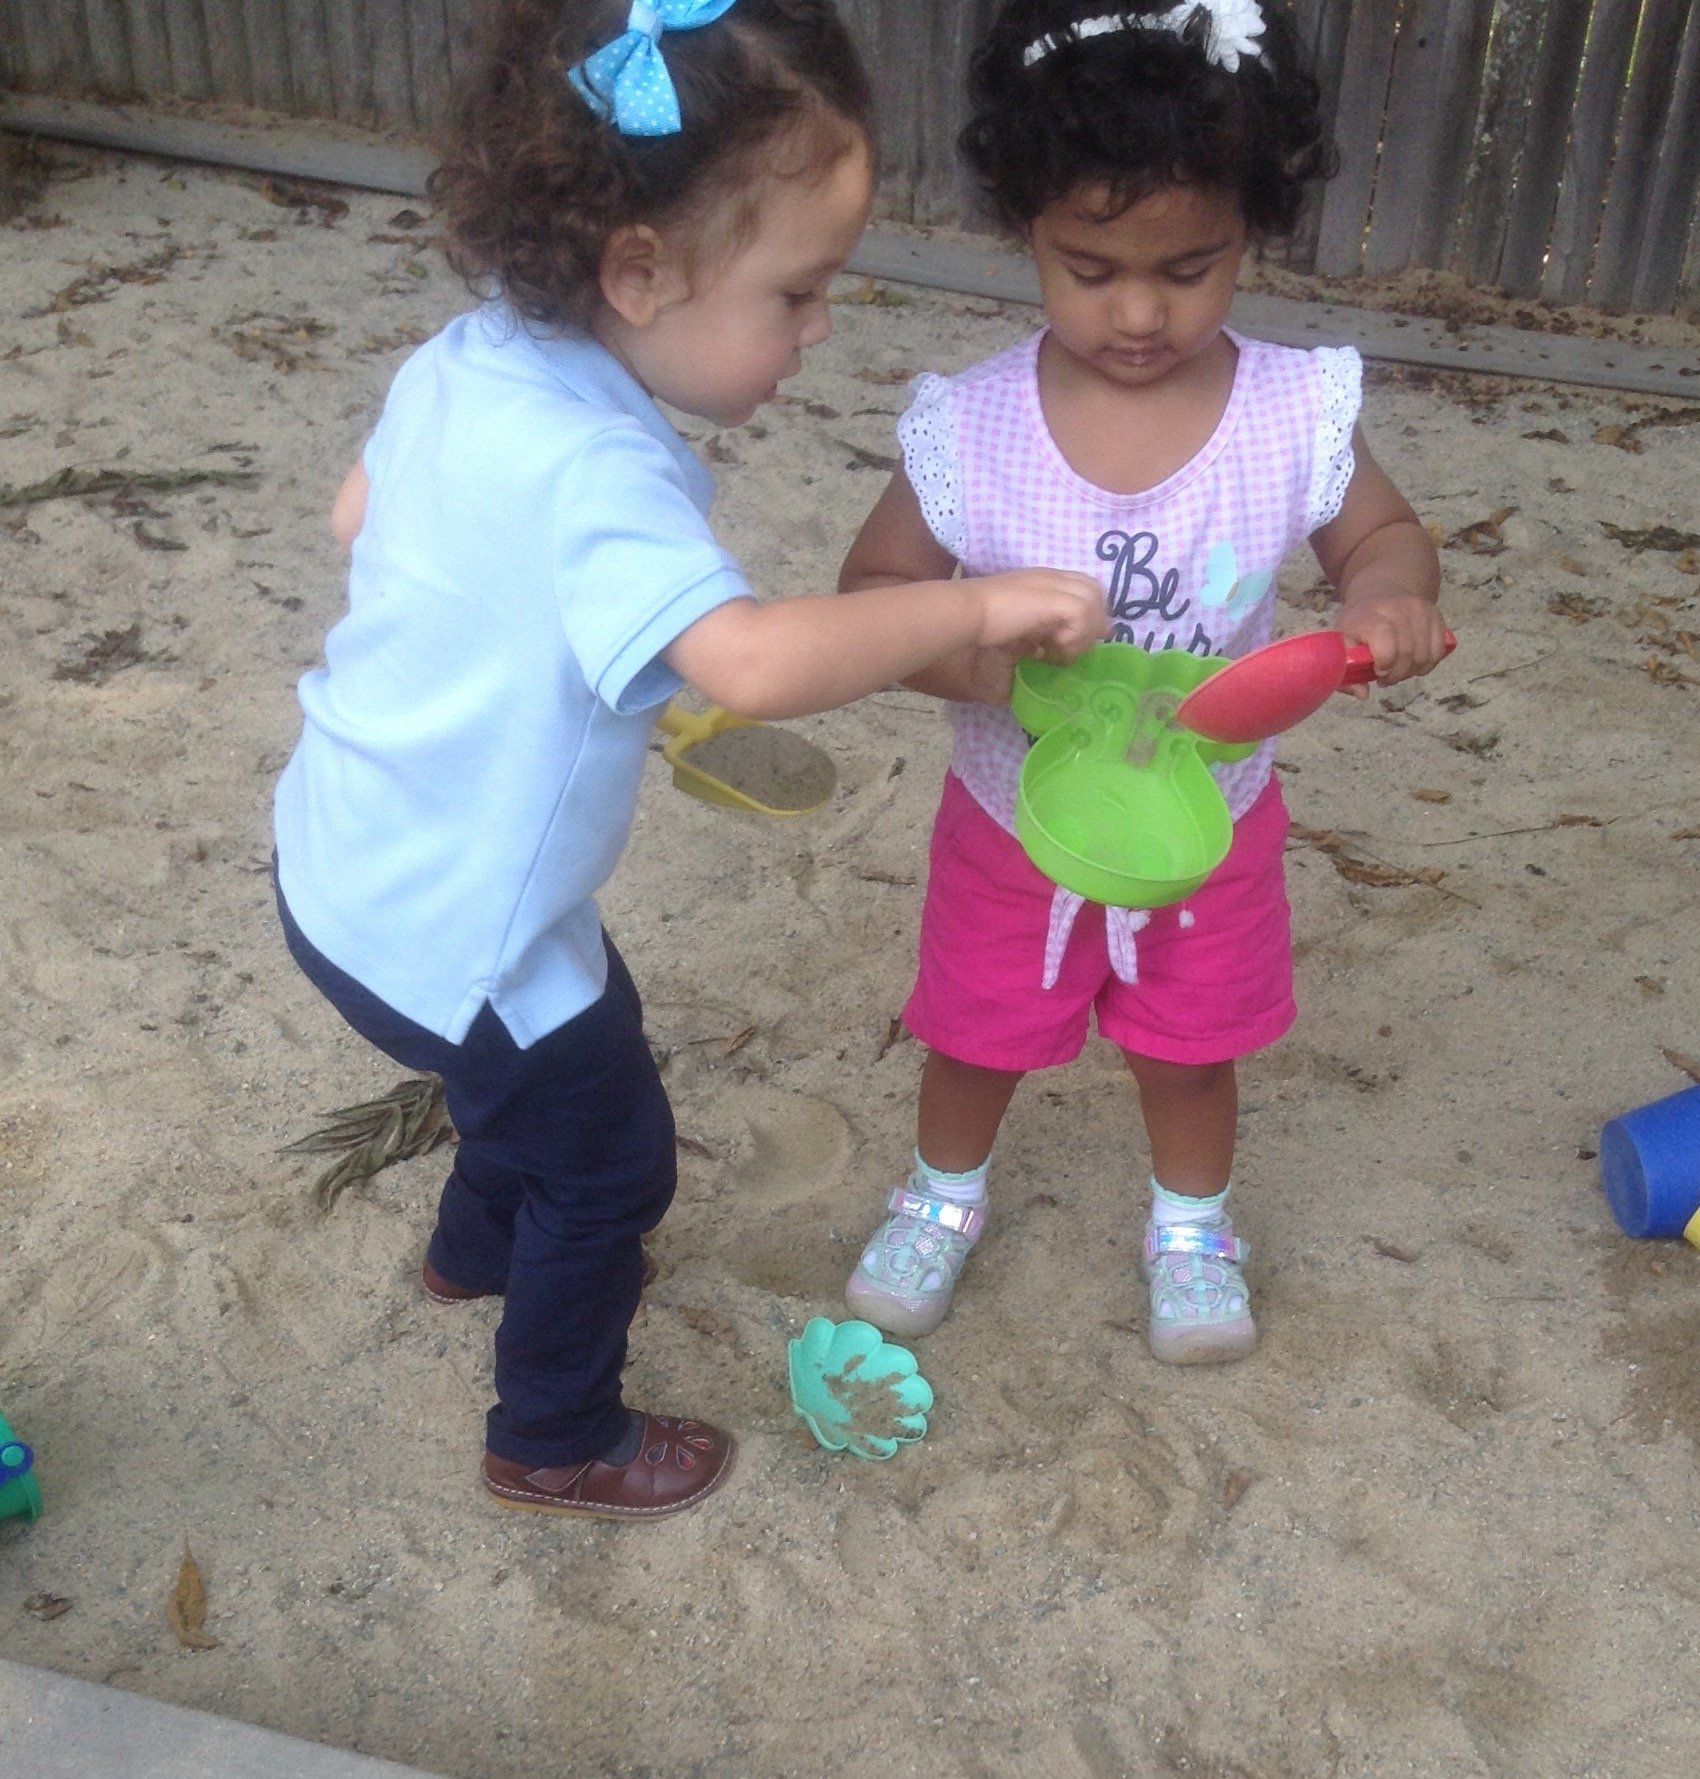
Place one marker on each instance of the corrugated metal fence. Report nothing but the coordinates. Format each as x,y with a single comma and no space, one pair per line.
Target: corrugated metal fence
1541,147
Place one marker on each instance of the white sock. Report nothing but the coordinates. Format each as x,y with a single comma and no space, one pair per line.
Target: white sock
1169,1208
967,1189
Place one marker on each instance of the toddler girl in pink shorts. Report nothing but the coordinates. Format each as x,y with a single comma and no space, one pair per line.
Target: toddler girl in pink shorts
1137,152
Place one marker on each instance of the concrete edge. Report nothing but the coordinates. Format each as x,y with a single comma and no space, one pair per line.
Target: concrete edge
56,1727
970,268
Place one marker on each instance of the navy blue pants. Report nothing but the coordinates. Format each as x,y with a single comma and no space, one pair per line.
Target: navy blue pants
566,1160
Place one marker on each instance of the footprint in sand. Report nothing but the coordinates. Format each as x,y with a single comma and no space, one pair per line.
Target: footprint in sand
862,1541
782,1193
797,1145
115,1281
306,1289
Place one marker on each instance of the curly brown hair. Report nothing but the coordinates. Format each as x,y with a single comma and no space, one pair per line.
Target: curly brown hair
533,183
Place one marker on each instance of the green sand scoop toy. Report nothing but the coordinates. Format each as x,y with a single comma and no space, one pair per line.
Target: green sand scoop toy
18,1491
857,1392
1116,803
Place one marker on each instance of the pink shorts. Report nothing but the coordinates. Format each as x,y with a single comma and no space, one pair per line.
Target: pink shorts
1218,988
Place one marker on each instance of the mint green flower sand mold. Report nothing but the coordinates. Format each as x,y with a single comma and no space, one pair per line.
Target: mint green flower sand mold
1117,803
857,1392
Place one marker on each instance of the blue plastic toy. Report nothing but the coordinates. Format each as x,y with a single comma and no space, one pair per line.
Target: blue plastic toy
18,1491
1650,1167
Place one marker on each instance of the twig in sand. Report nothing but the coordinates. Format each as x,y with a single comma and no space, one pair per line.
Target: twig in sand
1562,821
72,483
1501,672
1391,1250
862,458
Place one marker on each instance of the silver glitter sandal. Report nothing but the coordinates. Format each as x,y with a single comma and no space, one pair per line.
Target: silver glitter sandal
904,1280
1200,1304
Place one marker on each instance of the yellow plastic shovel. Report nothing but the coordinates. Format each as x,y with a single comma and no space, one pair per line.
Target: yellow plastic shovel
741,764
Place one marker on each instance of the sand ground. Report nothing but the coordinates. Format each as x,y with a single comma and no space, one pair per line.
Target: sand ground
1442,1524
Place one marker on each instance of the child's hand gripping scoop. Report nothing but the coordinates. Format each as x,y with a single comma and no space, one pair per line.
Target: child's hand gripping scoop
741,764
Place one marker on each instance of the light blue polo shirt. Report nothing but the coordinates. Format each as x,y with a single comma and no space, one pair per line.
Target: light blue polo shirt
536,535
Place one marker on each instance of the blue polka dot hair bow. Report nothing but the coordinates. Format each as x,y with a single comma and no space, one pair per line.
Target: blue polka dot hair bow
626,82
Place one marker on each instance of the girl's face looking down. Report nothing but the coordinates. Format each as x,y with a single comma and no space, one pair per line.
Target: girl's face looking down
1135,296
716,338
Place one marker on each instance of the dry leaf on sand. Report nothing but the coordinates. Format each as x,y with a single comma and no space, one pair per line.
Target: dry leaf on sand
1371,873
716,1327
1652,537
187,1607
1486,537
1687,1064
1621,436
411,1119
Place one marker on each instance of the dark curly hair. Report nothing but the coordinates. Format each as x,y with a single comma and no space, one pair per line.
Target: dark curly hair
1134,111
533,183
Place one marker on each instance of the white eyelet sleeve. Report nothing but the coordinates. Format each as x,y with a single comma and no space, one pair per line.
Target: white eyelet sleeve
927,433
1340,372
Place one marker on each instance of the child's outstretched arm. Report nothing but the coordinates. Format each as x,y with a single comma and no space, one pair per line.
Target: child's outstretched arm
796,656
894,548
1387,570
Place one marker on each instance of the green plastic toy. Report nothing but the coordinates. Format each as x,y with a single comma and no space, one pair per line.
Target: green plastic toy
18,1491
855,1391
1116,803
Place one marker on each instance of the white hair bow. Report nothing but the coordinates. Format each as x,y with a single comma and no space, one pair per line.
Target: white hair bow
1235,27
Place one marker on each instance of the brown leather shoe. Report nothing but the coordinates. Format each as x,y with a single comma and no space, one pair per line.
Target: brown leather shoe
439,1290
678,1464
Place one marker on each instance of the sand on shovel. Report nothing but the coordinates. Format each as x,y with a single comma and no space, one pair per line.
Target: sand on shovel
771,766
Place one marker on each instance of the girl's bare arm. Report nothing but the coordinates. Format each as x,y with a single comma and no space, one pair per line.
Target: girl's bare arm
895,547
795,656
1387,570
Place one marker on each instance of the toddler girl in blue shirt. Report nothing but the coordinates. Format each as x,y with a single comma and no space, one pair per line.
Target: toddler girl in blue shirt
656,201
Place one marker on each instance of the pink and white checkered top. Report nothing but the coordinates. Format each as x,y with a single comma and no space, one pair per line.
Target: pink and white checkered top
1189,564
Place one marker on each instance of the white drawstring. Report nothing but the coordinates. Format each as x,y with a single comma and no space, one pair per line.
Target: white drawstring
1122,927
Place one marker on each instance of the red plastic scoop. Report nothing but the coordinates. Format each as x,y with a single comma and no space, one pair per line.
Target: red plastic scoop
1271,689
